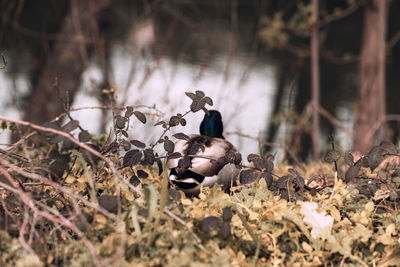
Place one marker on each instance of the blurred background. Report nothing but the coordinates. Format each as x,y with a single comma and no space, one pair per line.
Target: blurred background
286,75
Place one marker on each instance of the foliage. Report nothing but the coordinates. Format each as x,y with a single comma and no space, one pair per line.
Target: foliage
63,202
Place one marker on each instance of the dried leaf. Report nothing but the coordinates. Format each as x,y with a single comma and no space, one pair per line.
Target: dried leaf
321,224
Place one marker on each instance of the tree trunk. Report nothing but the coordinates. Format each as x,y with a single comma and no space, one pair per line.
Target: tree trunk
371,90
314,46
61,75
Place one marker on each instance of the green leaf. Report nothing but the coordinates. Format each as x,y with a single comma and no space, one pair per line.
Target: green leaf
332,156
175,155
200,94
191,95
84,136
169,146
388,147
174,121
227,214
184,162
181,136
284,182
348,158
140,116
70,126
225,230
124,133
109,203
120,122
138,144
142,174
132,158
197,105
268,178
209,224
209,101
134,180
294,172
160,123
126,145
375,157
129,111
149,157
248,176
351,173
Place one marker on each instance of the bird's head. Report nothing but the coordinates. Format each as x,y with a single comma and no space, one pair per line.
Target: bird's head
212,125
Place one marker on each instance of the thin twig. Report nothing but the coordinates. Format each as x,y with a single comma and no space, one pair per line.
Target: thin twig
283,147
29,202
4,61
80,144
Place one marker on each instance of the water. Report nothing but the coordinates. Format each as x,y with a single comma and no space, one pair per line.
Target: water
242,89
245,105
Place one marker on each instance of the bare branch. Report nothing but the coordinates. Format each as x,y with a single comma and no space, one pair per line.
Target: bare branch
4,61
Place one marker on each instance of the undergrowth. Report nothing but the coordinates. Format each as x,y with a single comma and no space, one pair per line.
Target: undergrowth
106,201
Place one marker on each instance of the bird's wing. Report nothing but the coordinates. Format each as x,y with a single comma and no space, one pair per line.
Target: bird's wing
214,148
180,146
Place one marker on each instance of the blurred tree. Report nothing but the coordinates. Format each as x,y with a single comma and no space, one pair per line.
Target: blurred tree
371,89
60,78
345,66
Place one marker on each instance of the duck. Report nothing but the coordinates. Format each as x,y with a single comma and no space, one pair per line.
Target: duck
205,161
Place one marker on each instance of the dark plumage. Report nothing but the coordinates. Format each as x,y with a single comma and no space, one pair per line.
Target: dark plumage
203,171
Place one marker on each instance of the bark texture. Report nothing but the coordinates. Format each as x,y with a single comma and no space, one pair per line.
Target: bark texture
371,109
